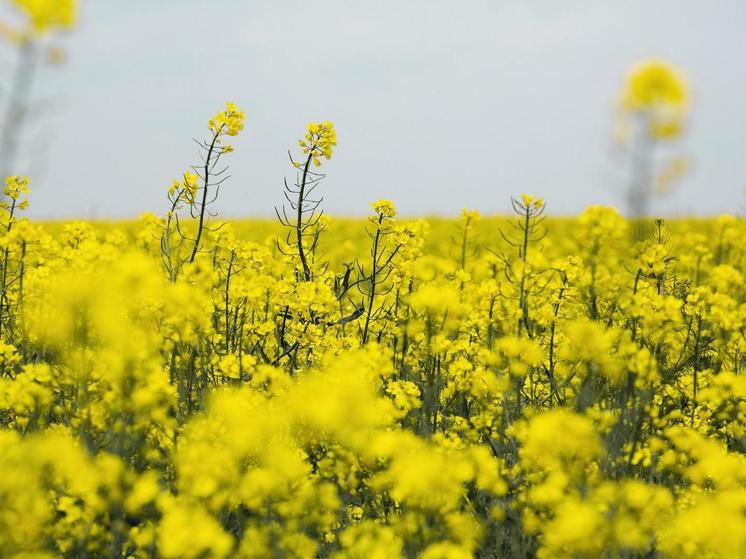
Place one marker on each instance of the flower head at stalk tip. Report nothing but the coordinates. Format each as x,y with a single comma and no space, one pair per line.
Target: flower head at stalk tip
229,121
16,187
532,202
319,141
384,208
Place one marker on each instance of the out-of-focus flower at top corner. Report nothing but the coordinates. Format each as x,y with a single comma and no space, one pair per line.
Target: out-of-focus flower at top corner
657,91
39,20
49,15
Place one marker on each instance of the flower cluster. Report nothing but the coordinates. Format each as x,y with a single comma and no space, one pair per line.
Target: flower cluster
185,190
16,189
319,141
384,208
229,121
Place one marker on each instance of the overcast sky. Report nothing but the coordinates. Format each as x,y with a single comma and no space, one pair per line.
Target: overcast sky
438,105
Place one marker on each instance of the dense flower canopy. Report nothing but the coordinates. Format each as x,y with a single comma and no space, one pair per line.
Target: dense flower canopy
183,387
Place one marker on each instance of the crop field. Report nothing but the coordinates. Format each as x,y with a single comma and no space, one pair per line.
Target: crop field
562,380
522,386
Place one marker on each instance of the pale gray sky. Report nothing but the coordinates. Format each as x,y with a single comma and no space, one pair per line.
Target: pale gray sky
438,105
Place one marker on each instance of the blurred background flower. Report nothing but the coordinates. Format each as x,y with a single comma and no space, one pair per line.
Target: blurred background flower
654,106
